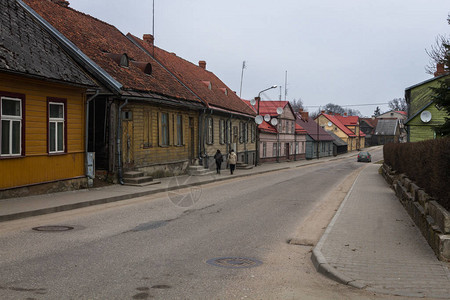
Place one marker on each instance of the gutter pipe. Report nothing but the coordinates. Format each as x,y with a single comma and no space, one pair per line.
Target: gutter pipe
119,142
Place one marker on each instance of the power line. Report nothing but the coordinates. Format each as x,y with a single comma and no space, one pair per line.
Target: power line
368,104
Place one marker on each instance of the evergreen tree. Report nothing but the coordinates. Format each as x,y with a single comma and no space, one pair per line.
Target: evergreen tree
377,112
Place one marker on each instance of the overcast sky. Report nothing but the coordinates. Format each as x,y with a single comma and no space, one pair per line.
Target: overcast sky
346,52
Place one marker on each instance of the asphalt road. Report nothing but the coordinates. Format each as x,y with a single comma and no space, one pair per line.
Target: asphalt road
166,246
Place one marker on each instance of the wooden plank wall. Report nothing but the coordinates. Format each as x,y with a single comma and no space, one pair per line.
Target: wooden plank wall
37,165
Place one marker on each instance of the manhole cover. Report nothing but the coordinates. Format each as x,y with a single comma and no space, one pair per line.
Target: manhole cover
234,262
53,228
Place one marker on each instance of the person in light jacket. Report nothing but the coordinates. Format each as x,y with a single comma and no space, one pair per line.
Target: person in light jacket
232,159
219,159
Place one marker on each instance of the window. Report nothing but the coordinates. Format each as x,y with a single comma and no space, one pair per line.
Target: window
11,126
147,141
275,150
293,127
253,132
264,149
222,131
210,131
228,132
164,138
56,125
245,128
296,148
179,130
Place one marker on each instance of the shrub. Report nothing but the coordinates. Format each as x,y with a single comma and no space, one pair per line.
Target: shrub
427,163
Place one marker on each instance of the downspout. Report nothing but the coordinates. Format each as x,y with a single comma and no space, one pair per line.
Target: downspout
86,136
206,159
119,142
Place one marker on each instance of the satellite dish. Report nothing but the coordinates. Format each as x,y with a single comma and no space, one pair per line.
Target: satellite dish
258,119
253,102
274,121
267,118
329,124
425,116
279,110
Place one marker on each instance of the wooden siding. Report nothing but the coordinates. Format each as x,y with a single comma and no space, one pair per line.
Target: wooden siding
37,165
419,131
141,138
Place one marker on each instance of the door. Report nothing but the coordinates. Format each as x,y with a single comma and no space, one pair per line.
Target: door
287,150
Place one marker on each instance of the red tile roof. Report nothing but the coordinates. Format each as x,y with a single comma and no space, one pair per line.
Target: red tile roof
100,41
205,84
299,129
267,127
270,107
339,124
348,120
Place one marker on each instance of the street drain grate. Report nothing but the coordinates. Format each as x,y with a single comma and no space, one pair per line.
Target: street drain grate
234,262
53,228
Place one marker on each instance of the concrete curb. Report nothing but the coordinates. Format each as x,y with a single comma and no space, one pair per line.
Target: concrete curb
319,260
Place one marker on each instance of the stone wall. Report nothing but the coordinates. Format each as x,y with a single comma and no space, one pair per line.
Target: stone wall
430,217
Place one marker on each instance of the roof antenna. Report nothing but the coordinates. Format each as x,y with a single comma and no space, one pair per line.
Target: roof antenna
153,29
242,77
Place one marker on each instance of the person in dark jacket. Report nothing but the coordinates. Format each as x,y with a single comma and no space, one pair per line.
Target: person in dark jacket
232,160
219,159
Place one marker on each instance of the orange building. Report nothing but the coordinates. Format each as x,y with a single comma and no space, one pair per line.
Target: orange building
42,110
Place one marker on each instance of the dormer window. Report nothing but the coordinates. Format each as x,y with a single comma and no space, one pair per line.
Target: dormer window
208,84
143,66
225,91
121,59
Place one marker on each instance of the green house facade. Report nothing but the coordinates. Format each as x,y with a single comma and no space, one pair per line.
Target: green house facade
423,114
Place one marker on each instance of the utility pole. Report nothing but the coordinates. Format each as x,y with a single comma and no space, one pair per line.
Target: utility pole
242,77
285,86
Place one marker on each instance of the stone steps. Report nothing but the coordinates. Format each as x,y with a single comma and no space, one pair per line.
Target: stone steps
199,171
136,178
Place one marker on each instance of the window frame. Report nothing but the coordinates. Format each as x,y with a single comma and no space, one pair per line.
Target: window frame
179,125
11,118
63,102
164,134
210,130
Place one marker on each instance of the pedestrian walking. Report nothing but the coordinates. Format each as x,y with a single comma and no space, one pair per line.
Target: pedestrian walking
219,159
232,158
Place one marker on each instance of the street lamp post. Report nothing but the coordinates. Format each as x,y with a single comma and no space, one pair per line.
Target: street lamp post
258,117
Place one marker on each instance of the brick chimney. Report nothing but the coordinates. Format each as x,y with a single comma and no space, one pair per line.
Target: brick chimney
322,111
345,114
63,3
202,64
148,38
305,115
440,70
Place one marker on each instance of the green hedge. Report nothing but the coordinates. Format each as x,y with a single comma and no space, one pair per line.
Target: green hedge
427,163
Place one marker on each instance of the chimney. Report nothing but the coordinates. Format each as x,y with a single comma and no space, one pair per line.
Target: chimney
345,114
304,115
202,64
148,38
63,3
300,110
440,70
322,111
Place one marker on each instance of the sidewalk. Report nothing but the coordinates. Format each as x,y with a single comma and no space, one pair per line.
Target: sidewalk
372,243
23,207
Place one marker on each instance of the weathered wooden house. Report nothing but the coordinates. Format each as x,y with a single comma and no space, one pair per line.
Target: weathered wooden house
423,114
318,142
143,118
345,127
227,122
42,109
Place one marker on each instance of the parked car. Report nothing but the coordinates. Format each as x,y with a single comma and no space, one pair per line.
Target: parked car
364,156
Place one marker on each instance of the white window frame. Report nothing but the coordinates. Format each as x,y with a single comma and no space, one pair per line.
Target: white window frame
11,119
56,121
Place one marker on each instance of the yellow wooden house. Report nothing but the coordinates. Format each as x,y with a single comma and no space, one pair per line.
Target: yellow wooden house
42,110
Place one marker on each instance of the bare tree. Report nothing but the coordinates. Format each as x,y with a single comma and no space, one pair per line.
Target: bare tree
437,51
332,108
398,104
296,104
